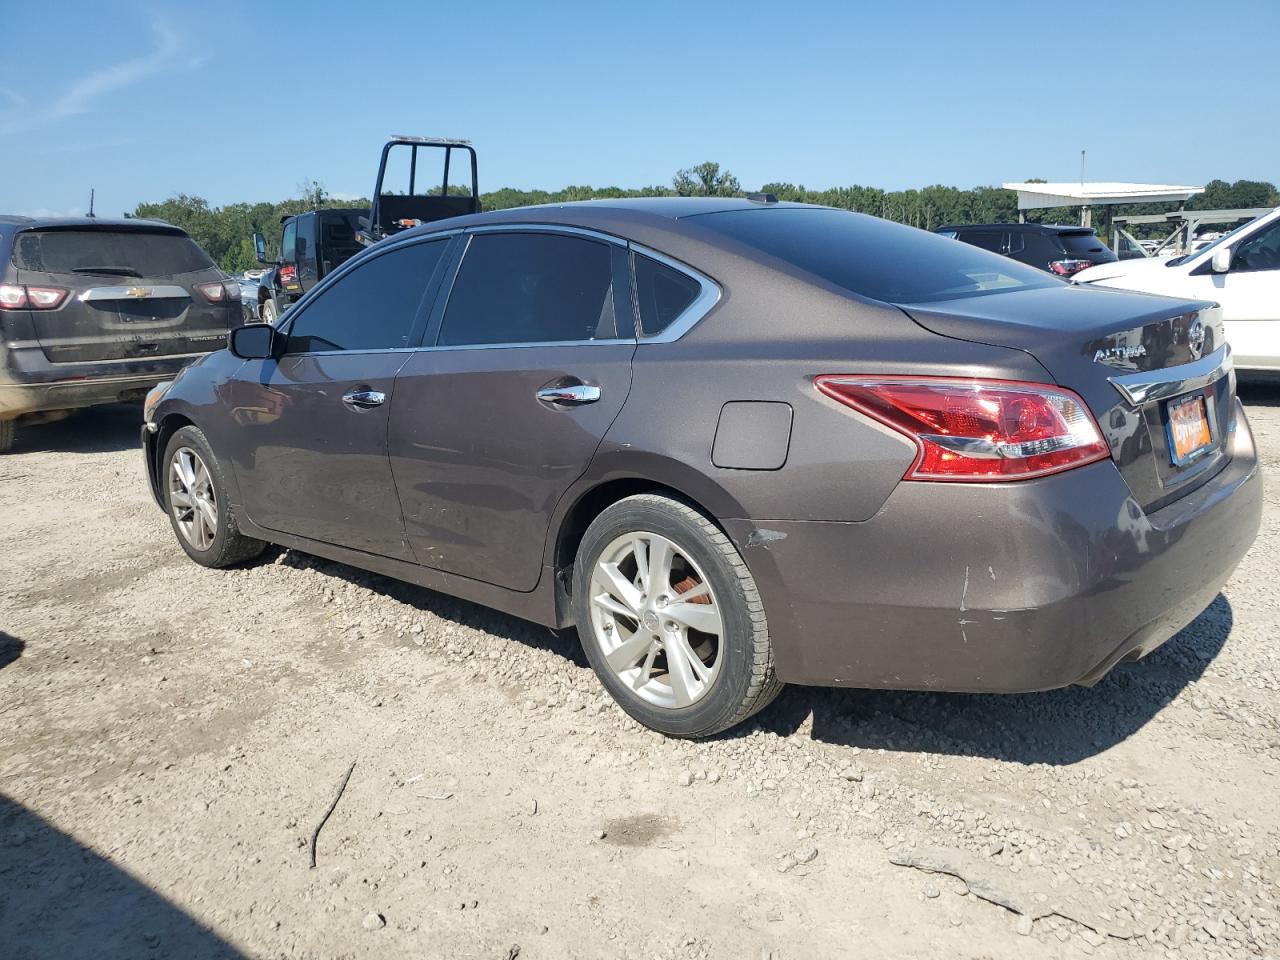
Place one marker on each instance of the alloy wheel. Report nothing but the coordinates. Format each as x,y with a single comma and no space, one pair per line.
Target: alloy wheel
192,499
656,619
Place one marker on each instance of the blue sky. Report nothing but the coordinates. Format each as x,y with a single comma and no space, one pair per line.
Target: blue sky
243,100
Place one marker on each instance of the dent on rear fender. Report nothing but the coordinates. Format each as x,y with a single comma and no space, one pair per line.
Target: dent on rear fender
760,537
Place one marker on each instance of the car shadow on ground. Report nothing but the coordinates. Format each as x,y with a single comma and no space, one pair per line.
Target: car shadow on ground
464,613
104,429
10,649
1053,727
63,900
1262,393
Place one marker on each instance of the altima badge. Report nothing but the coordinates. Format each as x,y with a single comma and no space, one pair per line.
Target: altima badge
1112,354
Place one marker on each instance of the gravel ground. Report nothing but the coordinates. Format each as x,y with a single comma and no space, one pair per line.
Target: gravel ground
170,737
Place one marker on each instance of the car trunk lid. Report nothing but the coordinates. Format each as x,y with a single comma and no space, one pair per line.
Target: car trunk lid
133,293
1138,362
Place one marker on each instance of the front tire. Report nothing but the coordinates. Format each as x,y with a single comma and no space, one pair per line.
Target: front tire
267,312
8,432
670,618
195,496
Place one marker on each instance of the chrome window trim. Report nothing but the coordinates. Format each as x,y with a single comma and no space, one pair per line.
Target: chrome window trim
345,353
702,304
122,292
521,227
1140,388
529,343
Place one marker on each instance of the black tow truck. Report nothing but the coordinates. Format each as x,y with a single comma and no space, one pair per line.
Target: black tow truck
410,190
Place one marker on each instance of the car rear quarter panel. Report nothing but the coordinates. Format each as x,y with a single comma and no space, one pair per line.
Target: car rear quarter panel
766,340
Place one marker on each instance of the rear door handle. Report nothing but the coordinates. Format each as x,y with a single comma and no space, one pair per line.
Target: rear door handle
364,399
572,395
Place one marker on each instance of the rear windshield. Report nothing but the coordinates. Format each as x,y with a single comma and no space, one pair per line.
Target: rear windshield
1085,241
101,252
876,258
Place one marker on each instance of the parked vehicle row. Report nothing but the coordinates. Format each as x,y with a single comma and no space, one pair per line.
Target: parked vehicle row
1062,251
738,444
96,311
1240,271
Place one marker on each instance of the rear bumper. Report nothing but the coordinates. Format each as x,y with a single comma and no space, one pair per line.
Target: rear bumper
999,587
34,387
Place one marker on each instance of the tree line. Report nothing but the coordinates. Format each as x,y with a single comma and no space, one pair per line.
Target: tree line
226,232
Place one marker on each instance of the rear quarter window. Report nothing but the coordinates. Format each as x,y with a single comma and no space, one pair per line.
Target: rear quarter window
875,258
109,254
662,294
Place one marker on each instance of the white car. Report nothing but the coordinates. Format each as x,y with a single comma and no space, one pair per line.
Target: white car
1240,270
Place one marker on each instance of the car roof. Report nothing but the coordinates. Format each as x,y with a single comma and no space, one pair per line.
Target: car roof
85,223
1025,227
628,217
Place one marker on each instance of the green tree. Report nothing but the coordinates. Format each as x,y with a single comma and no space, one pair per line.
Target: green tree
705,180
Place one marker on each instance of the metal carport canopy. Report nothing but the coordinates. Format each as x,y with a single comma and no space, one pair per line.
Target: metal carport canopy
1035,196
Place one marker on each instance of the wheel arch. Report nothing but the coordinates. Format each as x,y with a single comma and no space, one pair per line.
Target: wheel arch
169,425
602,488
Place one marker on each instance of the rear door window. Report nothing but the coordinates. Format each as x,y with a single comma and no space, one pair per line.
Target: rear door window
103,253
520,288
992,240
372,307
662,294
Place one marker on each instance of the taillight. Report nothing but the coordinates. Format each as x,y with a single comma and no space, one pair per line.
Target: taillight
219,290
15,296
288,273
1065,268
977,430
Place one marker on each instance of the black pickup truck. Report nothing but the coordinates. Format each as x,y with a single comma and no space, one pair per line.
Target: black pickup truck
408,192
311,245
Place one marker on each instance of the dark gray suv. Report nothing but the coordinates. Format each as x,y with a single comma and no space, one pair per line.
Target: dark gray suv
738,444
97,311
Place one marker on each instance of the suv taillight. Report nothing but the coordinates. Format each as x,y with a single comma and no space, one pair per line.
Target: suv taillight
977,430
1065,268
16,296
219,290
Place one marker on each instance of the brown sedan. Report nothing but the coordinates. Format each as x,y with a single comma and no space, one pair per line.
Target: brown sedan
738,443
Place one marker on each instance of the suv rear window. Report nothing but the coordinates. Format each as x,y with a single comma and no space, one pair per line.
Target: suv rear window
127,254
1081,241
875,258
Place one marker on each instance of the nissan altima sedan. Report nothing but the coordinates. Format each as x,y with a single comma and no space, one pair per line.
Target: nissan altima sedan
737,444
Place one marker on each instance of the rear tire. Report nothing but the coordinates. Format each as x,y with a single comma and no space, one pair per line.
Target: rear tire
8,432
267,312
684,667
195,497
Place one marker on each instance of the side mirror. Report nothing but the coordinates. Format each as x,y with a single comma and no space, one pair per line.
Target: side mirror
1221,261
260,248
255,341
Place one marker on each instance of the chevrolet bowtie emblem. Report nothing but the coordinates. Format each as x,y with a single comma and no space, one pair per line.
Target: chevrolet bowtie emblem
138,292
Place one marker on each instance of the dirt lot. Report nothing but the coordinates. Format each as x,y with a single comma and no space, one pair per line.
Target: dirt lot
170,736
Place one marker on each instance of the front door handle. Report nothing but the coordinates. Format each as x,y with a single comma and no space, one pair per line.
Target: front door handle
571,395
364,399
